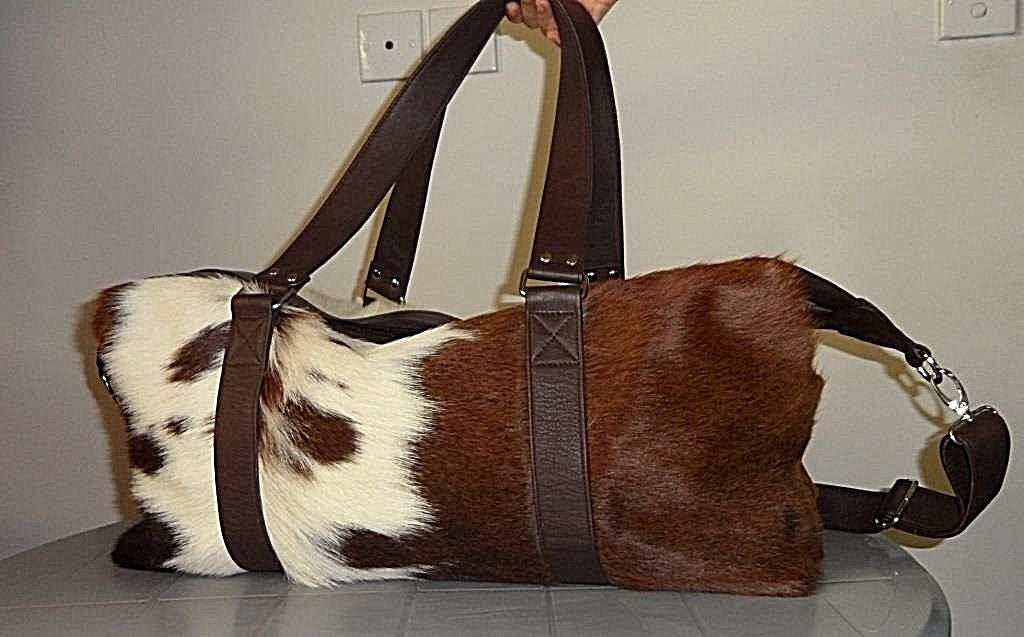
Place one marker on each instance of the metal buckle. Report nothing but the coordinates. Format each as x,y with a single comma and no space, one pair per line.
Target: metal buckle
935,374
583,284
891,518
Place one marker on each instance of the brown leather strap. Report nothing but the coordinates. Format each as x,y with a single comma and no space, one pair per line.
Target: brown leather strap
391,267
237,433
554,321
403,128
974,455
558,434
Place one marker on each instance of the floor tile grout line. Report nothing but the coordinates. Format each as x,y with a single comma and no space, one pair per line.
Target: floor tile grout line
407,605
196,598
549,608
697,619
271,616
119,602
842,616
156,595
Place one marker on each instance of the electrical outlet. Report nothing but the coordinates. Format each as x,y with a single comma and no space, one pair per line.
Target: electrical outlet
443,17
976,18
390,45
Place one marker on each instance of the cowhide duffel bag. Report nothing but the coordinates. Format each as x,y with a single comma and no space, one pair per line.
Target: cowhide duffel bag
644,432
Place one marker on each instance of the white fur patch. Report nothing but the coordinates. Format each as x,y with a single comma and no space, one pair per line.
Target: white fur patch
373,386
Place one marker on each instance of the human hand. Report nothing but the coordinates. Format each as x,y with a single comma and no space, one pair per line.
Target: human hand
536,14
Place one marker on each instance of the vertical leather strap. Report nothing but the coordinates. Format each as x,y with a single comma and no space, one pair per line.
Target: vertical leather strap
558,435
391,267
237,434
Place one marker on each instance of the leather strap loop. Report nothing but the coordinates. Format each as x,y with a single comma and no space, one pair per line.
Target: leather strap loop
558,435
411,119
237,433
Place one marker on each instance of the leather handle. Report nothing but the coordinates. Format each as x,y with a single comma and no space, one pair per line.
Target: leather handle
410,121
391,267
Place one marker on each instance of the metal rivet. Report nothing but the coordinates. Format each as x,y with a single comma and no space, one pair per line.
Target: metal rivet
591,275
545,257
376,273
292,278
572,260
273,273
394,283
612,272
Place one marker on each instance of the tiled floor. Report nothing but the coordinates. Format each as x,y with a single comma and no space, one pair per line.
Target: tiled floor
869,587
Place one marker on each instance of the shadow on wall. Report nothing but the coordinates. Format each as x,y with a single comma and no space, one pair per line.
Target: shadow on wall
929,466
519,260
110,416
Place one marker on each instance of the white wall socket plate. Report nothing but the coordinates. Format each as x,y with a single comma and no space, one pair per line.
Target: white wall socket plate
443,17
976,18
390,45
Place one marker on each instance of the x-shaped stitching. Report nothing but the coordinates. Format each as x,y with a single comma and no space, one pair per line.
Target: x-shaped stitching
554,335
245,339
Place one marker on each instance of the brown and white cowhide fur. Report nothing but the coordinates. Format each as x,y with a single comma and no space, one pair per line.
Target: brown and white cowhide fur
412,458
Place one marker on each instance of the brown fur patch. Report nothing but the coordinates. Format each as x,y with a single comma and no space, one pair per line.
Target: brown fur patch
699,413
144,453
325,438
368,549
106,315
700,394
200,354
148,545
176,426
272,390
474,465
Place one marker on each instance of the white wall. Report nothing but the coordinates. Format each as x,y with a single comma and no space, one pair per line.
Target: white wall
167,136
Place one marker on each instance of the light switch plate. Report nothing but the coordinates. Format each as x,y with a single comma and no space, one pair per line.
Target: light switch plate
976,18
443,17
390,45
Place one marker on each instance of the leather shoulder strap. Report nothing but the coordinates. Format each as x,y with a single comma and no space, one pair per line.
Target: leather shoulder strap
975,452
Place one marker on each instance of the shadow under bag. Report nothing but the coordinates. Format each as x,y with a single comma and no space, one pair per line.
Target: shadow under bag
644,432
